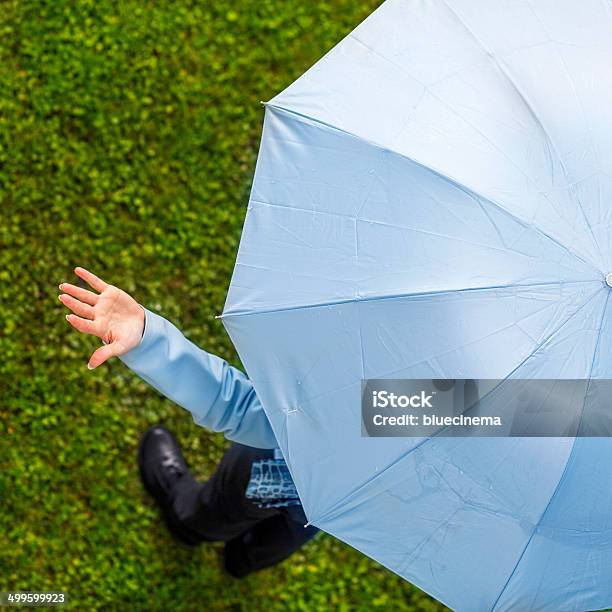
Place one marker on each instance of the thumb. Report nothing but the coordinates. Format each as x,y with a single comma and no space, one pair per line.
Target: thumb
102,354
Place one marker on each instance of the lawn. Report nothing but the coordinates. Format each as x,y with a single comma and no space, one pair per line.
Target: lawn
128,138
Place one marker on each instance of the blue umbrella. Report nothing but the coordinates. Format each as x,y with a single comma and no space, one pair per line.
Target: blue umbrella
432,200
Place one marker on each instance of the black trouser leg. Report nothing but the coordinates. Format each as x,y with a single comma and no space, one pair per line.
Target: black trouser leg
219,511
267,543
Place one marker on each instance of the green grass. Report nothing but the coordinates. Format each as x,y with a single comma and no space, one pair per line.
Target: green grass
128,138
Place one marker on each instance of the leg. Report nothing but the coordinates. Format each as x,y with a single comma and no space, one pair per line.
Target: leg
218,509
267,543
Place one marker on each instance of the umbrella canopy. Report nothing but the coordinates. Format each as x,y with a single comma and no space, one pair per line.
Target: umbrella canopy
432,199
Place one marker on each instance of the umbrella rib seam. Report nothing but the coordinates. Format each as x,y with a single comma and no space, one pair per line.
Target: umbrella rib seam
421,294
567,464
532,112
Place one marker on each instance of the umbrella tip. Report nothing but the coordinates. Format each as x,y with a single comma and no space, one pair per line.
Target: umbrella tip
219,316
263,103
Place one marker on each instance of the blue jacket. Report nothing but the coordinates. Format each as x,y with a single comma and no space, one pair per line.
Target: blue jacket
219,396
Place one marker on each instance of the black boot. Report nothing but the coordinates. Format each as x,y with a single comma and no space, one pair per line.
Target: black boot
161,466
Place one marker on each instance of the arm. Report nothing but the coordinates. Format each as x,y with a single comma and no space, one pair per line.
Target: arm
218,396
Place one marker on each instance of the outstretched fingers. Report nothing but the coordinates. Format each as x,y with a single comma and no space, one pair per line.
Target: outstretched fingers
84,325
79,308
91,279
83,295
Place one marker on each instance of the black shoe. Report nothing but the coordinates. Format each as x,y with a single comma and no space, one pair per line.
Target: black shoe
161,465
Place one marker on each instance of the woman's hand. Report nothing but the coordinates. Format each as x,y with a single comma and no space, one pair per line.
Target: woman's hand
112,315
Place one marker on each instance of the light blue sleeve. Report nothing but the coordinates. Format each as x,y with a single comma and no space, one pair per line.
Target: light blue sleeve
219,396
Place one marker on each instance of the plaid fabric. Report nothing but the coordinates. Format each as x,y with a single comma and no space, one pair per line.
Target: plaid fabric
271,485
